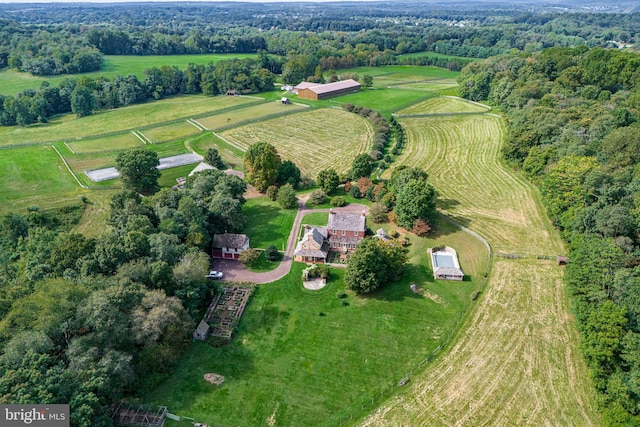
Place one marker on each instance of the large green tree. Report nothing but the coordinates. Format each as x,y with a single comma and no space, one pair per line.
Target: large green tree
328,180
138,169
415,201
373,264
262,162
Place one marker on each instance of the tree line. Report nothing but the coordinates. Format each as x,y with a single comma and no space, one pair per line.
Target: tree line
88,320
85,95
574,130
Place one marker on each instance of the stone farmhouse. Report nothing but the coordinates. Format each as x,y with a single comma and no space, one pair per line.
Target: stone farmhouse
343,233
229,245
317,91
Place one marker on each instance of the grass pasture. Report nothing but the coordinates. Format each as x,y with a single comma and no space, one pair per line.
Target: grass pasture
410,71
313,140
34,176
289,366
384,100
68,127
120,141
170,132
12,81
444,105
253,112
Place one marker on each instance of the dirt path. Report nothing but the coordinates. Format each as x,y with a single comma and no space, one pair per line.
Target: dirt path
236,271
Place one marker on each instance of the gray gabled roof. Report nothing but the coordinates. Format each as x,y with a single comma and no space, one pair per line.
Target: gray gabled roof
449,271
346,221
230,240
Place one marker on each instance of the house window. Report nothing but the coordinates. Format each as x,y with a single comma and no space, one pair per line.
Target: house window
334,231
355,233
344,232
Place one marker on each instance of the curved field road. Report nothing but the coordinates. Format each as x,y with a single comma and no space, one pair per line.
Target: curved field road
236,271
515,360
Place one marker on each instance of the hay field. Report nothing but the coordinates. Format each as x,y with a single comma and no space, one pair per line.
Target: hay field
249,113
313,140
442,105
515,363
516,359
462,155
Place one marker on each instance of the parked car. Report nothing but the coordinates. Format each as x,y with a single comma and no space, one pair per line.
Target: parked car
215,275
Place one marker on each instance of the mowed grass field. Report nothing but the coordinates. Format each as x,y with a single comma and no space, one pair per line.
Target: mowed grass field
170,132
462,155
12,81
68,127
516,360
289,366
442,105
313,140
267,223
34,176
120,141
384,100
252,112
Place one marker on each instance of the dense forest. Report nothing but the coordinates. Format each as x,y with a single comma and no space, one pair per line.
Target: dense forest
86,320
574,130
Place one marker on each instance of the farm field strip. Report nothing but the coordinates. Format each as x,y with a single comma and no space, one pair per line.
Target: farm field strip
442,105
515,362
116,142
171,132
516,359
383,99
313,140
252,112
483,194
119,119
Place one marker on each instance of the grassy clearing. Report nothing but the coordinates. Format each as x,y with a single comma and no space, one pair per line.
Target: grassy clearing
252,112
119,141
12,81
267,223
435,55
515,362
313,140
96,214
442,105
171,132
34,176
289,366
383,99
69,127
462,155
437,86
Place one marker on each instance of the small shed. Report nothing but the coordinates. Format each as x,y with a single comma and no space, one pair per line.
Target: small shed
231,92
202,331
285,101
562,260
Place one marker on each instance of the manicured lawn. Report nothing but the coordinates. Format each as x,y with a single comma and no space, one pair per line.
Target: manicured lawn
267,223
12,81
168,176
291,365
263,264
316,218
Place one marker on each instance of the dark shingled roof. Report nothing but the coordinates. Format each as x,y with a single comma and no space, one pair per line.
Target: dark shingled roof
346,221
230,240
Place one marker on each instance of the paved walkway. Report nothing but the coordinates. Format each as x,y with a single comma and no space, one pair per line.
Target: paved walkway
236,271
